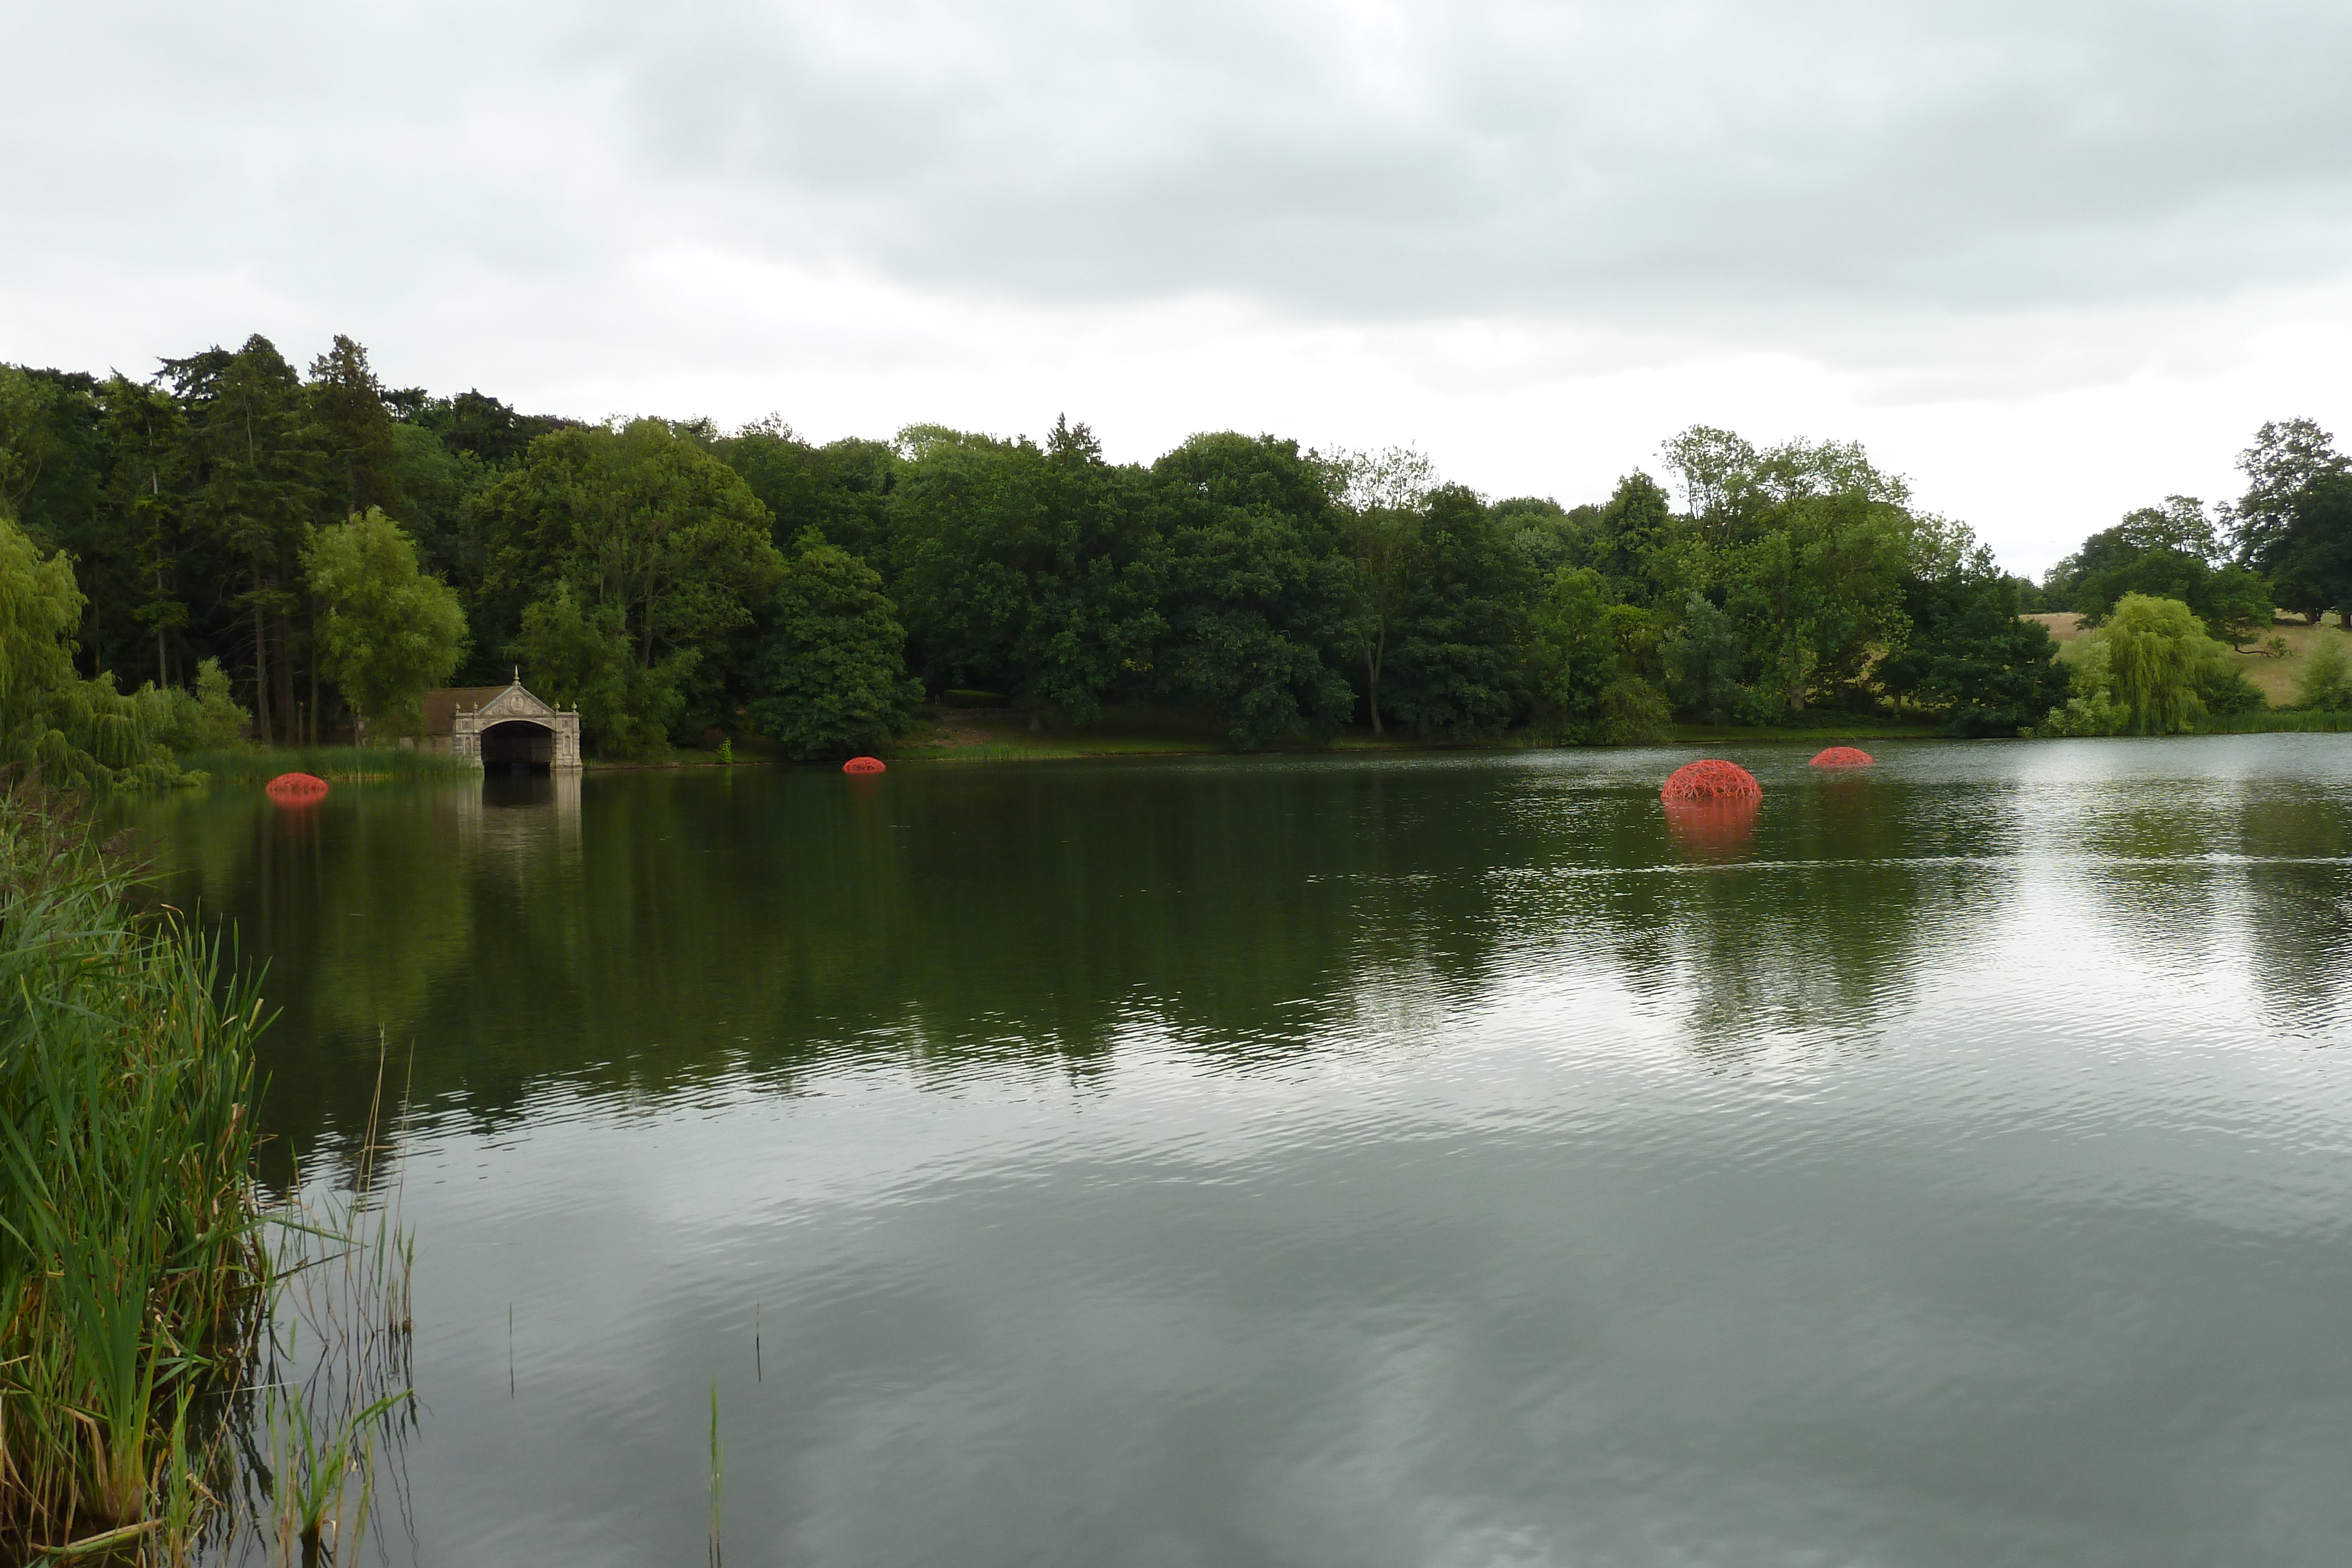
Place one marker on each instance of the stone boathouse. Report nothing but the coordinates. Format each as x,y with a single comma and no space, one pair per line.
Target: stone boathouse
504,727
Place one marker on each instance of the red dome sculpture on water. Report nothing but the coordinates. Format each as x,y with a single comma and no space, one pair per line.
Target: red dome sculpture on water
1844,757
296,788
1710,778
863,765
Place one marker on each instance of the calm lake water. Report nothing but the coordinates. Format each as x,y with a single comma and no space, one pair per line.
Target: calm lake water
1349,1163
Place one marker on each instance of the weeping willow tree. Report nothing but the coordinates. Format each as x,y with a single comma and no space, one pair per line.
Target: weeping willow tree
70,731
2158,655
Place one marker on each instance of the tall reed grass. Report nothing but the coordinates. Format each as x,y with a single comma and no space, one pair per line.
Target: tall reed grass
179,1360
129,1257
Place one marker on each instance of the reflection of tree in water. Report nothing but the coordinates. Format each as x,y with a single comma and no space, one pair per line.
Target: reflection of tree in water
2299,917
357,931
696,925
1816,928
682,927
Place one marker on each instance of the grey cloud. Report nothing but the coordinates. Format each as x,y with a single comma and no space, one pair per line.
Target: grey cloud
1995,189
1735,159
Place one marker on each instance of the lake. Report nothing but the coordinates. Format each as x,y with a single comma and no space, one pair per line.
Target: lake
1347,1162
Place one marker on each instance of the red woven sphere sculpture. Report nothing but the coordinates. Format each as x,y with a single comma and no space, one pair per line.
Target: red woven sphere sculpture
1844,757
1710,778
296,788
863,765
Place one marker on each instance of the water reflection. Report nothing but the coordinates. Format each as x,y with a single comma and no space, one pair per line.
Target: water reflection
1713,830
649,930
1342,1162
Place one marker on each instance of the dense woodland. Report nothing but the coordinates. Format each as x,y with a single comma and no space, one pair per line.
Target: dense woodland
234,545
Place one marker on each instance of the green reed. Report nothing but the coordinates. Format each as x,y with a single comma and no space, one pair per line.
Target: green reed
339,1263
130,1259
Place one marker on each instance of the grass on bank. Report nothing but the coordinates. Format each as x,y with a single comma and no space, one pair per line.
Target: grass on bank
337,764
952,733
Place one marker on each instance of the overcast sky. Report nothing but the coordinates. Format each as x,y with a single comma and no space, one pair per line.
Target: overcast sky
2050,260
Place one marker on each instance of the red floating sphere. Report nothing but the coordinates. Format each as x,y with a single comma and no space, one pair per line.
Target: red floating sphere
863,765
1711,778
1844,757
296,788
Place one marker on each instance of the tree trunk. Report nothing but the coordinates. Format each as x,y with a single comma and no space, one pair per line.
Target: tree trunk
1372,680
260,675
314,674
285,674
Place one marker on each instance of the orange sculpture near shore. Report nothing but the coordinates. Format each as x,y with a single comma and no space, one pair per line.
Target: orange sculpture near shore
1844,757
297,789
863,765
1710,778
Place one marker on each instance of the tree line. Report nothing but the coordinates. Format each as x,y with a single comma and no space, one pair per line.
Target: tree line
288,551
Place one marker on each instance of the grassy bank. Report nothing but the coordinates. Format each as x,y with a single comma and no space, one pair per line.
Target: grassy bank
341,764
1002,735
2275,721
130,1263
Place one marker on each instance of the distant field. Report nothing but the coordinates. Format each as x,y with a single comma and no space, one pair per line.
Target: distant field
2275,678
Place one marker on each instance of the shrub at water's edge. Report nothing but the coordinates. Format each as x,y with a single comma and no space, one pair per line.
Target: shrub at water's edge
130,1266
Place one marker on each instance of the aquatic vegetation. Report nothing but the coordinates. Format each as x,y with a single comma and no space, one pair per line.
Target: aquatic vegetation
129,1256
142,1279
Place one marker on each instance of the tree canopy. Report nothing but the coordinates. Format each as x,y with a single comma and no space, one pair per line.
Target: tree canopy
313,546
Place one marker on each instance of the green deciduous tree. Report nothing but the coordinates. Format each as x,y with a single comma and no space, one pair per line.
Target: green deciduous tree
70,731
1381,496
834,676
657,542
582,656
2325,683
2288,456
1260,598
2157,655
1453,668
1969,656
1817,594
1703,660
1582,655
1632,529
1026,569
843,489
387,633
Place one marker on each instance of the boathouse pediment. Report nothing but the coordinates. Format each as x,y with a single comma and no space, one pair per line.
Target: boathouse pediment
505,725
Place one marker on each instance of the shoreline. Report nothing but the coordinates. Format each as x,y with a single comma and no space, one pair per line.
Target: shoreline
1048,748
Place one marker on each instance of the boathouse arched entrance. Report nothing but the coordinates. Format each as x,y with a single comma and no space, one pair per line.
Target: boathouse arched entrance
519,744
513,731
